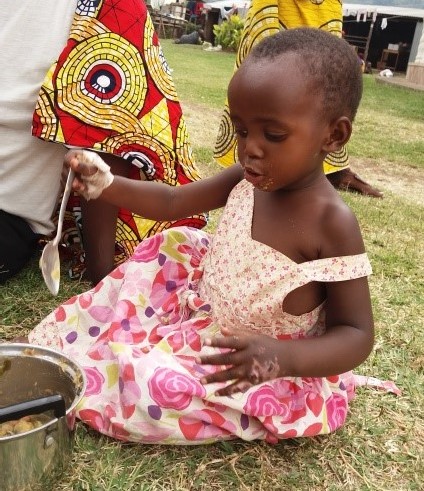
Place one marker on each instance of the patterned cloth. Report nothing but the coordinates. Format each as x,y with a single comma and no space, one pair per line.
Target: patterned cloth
267,17
111,91
138,333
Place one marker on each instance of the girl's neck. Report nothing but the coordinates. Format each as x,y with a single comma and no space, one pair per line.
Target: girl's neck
317,184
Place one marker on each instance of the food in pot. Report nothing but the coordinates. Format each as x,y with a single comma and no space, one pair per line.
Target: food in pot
22,425
5,365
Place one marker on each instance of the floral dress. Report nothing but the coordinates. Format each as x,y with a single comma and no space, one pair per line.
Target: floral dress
138,333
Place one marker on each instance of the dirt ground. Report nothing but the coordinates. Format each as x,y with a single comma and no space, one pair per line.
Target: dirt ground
402,180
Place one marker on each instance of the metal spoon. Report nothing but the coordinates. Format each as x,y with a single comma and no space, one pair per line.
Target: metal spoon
49,260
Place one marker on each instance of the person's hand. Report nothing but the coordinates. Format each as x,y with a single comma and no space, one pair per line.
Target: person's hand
92,174
250,360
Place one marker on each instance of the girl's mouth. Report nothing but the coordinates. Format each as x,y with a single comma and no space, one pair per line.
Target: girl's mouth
253,177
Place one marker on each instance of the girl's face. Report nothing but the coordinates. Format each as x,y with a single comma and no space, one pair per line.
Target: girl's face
279,124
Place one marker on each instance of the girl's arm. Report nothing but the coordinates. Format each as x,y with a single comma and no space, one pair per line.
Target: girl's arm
159,201
254,358
349,335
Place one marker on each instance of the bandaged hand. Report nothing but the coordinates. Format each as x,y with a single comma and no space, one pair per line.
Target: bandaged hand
92,174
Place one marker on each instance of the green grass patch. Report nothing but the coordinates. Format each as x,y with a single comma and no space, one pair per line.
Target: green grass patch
203,76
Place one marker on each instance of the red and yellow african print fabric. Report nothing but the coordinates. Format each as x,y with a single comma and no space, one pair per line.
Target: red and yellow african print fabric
111,91
267,17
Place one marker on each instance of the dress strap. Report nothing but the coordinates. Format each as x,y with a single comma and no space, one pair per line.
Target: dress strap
338,268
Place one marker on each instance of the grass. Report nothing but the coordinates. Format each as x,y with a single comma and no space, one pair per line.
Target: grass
203,76
384,130
381,445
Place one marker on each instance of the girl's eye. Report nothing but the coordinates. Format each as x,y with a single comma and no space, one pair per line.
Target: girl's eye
275,137
241,133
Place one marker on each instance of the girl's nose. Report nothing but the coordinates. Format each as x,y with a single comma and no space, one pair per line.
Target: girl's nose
252,148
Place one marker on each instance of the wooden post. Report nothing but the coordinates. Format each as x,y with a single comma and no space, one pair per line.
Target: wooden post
367,46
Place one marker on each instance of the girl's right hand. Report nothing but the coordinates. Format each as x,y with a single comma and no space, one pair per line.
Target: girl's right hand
92,174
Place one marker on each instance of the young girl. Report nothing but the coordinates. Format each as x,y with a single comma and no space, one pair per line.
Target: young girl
251,333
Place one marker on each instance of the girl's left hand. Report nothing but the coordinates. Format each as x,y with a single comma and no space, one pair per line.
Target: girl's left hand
253,359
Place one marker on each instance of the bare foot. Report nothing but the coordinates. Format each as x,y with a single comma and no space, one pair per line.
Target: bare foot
347,180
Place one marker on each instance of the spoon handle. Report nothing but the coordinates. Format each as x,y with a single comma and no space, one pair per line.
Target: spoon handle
65,197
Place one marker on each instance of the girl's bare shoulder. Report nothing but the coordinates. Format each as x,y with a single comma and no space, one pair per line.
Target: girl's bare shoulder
341,234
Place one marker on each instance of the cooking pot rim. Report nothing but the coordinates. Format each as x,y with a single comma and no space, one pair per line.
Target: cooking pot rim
53,356
24,434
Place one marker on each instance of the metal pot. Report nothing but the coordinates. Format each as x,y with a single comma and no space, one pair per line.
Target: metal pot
35,380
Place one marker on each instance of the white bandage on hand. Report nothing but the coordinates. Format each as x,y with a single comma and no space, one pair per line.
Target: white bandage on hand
98,181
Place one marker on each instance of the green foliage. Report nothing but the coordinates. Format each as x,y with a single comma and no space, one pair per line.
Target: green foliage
228,33
191,27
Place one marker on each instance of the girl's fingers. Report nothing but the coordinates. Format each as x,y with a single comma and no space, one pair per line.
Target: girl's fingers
237,386
232,373
78,165
77,185
231,342
232,358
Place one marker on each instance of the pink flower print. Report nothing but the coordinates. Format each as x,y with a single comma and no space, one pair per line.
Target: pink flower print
268,423
109,413
101,314
313,430
336,406
95,381
170,389
127,327
333,379
85,300
92,418
117,274
289,434
134,284
270,401
71,300
194,254
110,426
152,433
116,430
189,363
180,339
262,402
129,390
166,284
220,408
205,424
312,387
315,402
155,336
100,350
148,249
60,314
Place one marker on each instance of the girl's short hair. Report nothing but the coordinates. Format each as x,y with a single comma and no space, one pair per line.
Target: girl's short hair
329,64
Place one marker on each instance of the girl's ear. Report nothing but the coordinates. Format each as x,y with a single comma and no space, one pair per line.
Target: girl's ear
340,131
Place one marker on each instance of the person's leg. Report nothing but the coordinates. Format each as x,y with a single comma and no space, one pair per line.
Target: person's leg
347,180
18,243
99,228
